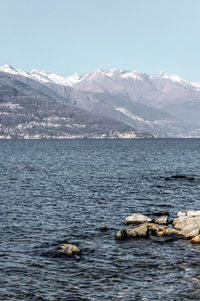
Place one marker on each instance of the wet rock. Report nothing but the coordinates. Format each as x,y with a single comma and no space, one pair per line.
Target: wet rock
121,234
162,220
154,227
103,228
138,232
196,239
137,219
168,231
161,230
68,249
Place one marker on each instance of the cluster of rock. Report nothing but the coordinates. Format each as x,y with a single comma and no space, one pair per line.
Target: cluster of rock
186,225
188,222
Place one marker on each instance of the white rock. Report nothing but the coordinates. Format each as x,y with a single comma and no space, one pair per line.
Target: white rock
137,219
188,213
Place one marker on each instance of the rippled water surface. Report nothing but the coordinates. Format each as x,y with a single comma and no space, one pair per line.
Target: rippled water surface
53,191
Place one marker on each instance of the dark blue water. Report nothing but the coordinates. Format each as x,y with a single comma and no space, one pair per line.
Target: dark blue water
53,191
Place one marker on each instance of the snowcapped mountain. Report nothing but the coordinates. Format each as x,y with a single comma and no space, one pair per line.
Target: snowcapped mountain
9,69
30,109
162,104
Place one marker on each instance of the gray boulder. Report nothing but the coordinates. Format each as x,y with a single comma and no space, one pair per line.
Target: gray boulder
190,231
138,232
184,221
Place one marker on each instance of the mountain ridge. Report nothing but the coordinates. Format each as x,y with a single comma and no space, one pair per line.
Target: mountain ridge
109,72
162,104
29,109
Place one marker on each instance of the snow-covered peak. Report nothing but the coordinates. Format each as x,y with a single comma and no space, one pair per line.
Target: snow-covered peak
98,74
124,74
9,69
115,78
43,72
172,77
97,82
113,72
75,78
48,77
137,75
6,66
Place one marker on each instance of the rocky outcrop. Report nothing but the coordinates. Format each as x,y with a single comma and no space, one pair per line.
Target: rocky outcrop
188,222
186,225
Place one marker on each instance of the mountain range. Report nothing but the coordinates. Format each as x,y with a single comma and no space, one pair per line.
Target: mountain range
104,103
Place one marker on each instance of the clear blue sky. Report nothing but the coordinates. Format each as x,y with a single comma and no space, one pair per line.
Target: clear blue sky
68,36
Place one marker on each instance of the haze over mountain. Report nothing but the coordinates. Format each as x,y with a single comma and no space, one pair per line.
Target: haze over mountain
164,105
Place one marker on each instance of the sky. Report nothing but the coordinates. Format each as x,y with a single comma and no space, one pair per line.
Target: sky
69,36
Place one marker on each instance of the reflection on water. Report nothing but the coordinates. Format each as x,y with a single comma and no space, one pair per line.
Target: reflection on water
54,191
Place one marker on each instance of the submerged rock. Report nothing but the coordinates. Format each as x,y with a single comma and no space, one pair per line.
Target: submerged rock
103,228
137,219
121,234
68,249
180,177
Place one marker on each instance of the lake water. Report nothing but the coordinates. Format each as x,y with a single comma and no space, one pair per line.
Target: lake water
64,190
